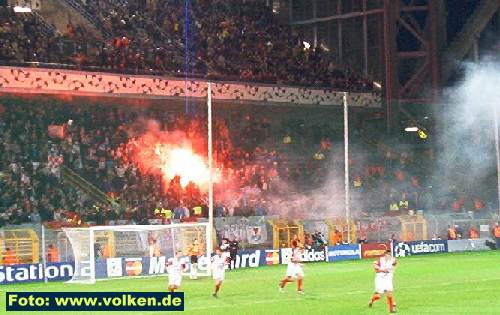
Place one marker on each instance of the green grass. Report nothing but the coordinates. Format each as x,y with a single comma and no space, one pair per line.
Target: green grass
461,283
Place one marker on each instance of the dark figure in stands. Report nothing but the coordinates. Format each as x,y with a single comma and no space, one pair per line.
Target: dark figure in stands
233,251
319,240
98,253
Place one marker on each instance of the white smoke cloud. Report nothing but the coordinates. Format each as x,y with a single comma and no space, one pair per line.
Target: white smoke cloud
466,158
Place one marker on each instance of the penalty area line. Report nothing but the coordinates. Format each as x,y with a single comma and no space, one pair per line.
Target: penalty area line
328,295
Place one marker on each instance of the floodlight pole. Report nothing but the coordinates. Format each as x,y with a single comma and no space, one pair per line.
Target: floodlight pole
497,149
210,173
346,168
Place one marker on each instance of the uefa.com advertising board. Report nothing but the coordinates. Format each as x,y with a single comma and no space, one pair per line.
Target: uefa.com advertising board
146,266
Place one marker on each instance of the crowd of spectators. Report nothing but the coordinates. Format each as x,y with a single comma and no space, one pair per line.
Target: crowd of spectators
409,181
37,139
267,164
22,37
232,40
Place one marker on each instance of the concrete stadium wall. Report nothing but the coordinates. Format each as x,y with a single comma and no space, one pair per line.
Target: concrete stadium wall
55,81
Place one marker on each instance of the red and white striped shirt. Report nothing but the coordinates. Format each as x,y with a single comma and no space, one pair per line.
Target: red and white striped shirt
383,265
296,255
175,266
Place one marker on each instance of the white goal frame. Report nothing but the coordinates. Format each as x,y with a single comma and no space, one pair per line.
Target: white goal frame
134,228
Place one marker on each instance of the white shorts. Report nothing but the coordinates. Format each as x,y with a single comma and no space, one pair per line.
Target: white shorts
175,280
294,270
218,275
383,283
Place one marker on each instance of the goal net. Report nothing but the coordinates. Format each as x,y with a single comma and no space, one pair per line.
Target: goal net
103,252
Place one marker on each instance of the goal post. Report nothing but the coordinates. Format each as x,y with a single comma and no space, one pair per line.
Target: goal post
103,252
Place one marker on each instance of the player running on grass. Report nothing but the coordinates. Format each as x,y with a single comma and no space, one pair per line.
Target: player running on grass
175,267
384,269
294,270
219,262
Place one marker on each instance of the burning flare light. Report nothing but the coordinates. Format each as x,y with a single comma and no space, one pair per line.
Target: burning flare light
183,162
169,154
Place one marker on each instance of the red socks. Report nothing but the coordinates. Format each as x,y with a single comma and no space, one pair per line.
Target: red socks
390,303
375,297
299,285
283,283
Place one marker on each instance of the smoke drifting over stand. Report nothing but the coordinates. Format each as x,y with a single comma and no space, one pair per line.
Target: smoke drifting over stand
466,157
167,154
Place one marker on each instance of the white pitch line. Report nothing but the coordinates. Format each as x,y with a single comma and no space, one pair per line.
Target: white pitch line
332,295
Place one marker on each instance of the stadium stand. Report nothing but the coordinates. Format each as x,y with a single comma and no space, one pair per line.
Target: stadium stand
256,153
235,40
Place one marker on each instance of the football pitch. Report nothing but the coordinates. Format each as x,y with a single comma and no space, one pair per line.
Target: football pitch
459,283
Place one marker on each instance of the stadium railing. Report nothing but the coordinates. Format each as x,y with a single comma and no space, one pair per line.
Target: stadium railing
92,19
64,268
254,232
174,74
23,242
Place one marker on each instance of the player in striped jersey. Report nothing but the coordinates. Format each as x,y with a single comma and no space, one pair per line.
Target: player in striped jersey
294,270
384,272
175,267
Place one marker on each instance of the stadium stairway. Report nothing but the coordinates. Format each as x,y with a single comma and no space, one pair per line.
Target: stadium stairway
47,28
61,12
167,41
78,182
464,41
